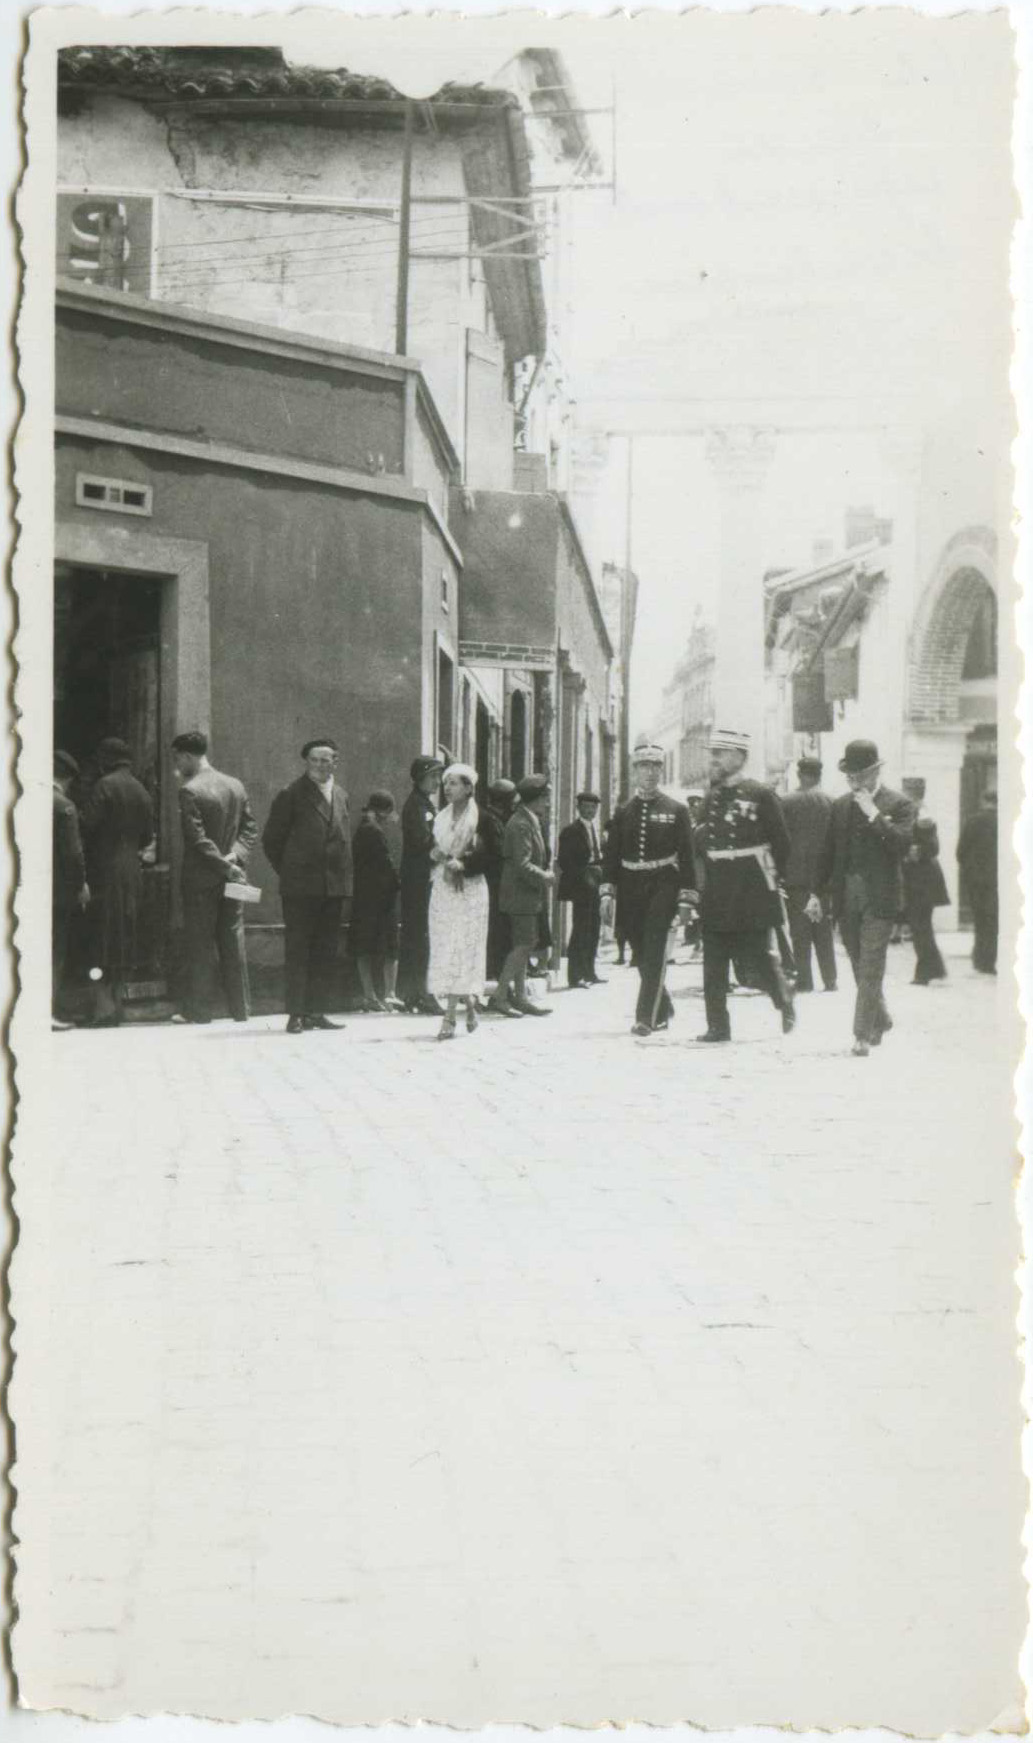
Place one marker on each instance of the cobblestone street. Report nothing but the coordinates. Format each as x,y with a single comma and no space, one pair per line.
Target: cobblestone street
519,1378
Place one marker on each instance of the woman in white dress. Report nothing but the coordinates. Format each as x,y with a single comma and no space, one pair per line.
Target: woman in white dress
458,901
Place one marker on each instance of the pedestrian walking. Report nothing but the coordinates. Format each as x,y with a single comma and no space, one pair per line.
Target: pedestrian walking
373,926
523,889
808,821
458,913
649,871
872,829
118,831
308,844
70,892
746,851
977,859
418,814
219,831
494,817
581,869
925,889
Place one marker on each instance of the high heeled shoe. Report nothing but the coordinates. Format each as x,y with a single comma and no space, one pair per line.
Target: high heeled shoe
471,1019
447,1031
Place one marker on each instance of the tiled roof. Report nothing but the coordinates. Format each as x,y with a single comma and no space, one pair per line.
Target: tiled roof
170,73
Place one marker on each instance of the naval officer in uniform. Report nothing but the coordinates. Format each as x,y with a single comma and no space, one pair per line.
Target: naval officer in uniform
746,850
648,861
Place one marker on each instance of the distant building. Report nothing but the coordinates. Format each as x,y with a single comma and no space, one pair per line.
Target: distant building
686,720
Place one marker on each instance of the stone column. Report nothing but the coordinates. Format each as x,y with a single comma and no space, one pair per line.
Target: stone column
740,456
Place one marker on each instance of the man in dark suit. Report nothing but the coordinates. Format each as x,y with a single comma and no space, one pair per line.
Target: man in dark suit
872,828
525,883
650,871
219,832
808,819
308,844
581,871
977,858
70,891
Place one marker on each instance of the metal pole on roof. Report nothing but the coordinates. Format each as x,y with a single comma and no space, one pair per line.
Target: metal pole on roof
402,299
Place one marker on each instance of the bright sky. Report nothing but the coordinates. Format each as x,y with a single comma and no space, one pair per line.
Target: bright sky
812,224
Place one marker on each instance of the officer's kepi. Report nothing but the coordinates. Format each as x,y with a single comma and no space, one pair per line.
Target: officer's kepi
647,753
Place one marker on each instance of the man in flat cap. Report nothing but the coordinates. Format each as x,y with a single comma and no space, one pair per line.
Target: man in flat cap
496,814
523,889
648,867
581,870
872,830
308,844
69,890
418,814
219,831
746,845
808,818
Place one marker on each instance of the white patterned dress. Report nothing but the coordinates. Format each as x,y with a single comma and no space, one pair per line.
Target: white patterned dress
458,935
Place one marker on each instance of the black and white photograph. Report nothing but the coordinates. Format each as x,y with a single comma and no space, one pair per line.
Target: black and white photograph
515,674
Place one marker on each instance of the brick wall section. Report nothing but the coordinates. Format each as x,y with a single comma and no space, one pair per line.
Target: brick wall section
939,647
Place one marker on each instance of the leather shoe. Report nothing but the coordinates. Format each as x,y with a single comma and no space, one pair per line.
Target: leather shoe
502,1009
596,980
294,1025
529,1009
641,1029
714,1035
860,1049
319,1023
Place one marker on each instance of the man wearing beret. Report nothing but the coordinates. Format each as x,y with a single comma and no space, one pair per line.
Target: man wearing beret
523,888
872,829
581,870
808,818
746,845
70,891
308,844
649,869
418,814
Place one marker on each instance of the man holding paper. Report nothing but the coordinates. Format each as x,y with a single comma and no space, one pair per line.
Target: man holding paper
219,832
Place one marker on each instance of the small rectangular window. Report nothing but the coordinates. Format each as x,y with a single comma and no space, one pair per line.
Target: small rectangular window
444,589
115,494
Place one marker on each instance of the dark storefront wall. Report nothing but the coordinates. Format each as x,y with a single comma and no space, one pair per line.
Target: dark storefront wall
314,600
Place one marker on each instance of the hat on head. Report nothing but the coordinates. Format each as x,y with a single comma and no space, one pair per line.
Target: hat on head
502,789
65,764
381,800
533,786
112,751
318,744
724,738
421,766
589,799
466,770
644,752
808,765
860,755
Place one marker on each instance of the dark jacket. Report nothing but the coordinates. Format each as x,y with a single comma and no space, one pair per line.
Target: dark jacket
925,886
880,847
418,814
977,849
580,872
307,842
646,831
746,851
217,821
808,820
69,862
524,884
493,832
117,821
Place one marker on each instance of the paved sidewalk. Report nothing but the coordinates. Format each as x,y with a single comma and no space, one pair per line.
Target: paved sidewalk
544,1375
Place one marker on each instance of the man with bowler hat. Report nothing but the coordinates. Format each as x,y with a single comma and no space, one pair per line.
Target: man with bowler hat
746,848
808,819
524,886
872,829
418,814
308,844
650,870
581,870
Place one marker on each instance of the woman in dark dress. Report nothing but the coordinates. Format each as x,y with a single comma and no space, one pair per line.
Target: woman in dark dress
925,888
374,913
418,814
117,828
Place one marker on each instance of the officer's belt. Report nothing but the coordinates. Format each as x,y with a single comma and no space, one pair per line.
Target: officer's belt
649,864
761,853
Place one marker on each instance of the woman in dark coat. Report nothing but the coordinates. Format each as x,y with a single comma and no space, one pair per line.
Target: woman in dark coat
117,827
374,914
418,814
925,888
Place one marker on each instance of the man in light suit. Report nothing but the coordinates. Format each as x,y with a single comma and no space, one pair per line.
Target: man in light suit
308,844
523,888
872,830
581,873
219,832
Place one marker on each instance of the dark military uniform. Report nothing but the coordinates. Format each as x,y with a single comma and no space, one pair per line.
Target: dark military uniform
746,848
647,859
